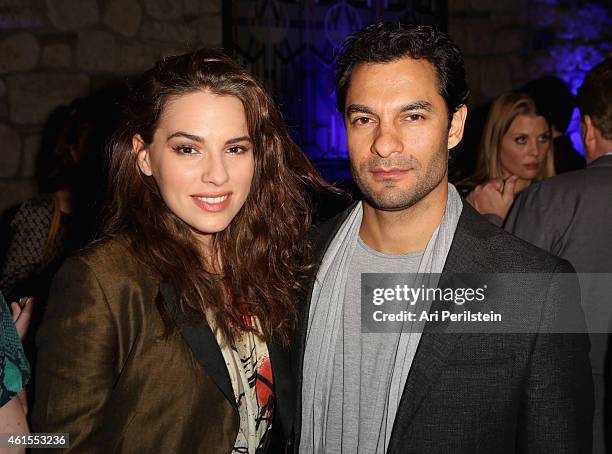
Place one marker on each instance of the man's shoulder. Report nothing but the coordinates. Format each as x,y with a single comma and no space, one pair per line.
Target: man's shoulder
492,249
557,201
559,187
322,232
478,246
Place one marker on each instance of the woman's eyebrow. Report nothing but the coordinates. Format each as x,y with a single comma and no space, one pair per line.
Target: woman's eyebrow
193,137
239,139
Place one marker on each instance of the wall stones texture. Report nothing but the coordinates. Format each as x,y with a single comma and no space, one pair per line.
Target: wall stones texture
507,43
490,34
52,51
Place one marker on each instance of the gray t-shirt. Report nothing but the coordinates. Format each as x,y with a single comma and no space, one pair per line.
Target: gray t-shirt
365,391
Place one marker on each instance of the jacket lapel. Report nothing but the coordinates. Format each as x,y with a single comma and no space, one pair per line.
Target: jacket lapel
203,344
283,386
435,345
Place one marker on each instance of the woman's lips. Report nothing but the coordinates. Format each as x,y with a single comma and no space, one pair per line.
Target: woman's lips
532,166
212,203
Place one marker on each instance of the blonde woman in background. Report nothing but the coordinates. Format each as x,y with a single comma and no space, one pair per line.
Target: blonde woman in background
515,150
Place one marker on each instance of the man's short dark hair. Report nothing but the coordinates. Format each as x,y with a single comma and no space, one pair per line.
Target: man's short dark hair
595,97
386,42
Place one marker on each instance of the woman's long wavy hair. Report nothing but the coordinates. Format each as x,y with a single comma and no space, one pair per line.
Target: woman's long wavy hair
503,112
263,252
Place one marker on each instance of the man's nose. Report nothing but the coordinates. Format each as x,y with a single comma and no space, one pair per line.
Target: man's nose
387,141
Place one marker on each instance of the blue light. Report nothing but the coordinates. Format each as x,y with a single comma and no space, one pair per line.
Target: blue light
581,41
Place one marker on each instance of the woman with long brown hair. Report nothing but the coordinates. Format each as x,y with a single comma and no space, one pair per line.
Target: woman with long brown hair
515,150
169,333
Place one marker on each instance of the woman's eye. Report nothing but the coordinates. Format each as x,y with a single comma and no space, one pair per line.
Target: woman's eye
521,140
185,149
236,150
544,138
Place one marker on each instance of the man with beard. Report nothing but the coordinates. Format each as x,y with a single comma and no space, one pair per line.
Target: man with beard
402,92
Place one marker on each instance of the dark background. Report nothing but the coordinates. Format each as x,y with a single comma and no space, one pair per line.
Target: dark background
52,51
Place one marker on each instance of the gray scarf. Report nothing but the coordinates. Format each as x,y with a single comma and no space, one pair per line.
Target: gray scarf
325,318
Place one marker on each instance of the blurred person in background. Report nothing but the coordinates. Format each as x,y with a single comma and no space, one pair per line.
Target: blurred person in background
48,227
554,98
515,150
14,369
570,216
43,229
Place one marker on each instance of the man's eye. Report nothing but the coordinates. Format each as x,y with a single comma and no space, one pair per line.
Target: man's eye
362,120
415,117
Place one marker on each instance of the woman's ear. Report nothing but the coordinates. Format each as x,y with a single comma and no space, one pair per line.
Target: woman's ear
139,147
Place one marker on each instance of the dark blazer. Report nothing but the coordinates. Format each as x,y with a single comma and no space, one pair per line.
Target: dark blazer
108,377
487,393
570,215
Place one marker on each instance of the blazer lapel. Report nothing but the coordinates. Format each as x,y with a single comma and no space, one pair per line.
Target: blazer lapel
203,343
283,386
435,345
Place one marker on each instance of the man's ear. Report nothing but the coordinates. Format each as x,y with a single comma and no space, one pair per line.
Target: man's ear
455,132
139,147
588,134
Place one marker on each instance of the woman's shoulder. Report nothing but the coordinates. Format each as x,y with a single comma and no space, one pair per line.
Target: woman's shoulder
36,210
111,260
39,202
107,274
15,370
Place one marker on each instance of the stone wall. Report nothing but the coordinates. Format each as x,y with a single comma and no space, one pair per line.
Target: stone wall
52,51
492,36
507,43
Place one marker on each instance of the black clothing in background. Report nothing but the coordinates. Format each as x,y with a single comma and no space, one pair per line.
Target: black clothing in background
566,156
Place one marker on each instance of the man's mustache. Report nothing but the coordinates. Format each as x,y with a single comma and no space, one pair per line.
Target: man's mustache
403,162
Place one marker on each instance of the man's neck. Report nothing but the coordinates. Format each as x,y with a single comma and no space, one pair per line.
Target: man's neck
602,148
407,230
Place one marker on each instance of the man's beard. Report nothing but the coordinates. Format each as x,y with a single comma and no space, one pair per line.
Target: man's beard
391,198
